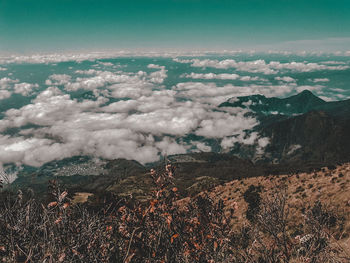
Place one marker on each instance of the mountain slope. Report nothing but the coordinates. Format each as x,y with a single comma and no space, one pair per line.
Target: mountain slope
314,136
300,128
301,103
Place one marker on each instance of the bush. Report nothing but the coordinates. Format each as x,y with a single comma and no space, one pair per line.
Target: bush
252,197
163,229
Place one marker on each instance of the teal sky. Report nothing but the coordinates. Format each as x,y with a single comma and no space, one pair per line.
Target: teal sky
65,25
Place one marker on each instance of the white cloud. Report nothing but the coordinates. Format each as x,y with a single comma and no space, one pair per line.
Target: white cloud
4,94
169,146
24,88
106,64
223,124
285,79
134,115
58,79
293,148
42,58
201,146
121,129
154,66
106,78
158,76
93,56
320,80
262,143
332,62
213,94
212,76
5,83
88,72
260,66
223,76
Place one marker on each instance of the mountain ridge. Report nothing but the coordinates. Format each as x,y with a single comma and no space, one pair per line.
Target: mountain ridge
300,103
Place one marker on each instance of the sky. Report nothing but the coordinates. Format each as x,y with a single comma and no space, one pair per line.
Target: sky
92,78
28,26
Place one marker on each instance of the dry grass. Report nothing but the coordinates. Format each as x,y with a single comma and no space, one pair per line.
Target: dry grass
81,197
210,227
331,187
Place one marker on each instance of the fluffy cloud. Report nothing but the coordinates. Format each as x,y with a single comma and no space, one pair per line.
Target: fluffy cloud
24,88
137,115
120,84
223,76
58,79
6,85
320,80
158,76
126,128
213,94
221,125
212,76
106,64
257,66
93,56
6,82
169,146
201,146
4,94
285,79
260,66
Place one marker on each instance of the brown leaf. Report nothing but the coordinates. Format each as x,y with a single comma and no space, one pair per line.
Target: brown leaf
122,208
196,245
173,237
52,204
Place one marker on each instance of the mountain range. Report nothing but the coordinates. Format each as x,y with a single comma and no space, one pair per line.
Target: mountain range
300,128
305,133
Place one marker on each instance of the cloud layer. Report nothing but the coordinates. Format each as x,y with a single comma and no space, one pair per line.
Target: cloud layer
112,110
260,66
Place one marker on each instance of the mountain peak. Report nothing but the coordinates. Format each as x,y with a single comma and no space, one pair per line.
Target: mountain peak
306,96
306,93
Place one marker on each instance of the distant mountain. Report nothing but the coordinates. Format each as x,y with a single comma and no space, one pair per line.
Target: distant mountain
301,128
317,136
304,132
298,104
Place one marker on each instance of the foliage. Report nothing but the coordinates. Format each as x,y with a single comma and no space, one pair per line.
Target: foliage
252,197
164,229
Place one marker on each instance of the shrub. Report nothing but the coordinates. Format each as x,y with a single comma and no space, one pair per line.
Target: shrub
252,197
163,229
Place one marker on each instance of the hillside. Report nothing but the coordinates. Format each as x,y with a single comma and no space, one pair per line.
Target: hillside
295,127
303,190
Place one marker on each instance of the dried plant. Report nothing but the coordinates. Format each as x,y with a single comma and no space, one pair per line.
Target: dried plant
163,229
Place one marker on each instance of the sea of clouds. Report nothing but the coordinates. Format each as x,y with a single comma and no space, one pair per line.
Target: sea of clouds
141,108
